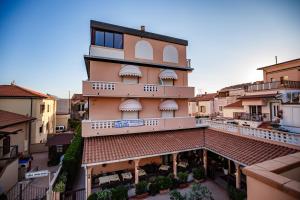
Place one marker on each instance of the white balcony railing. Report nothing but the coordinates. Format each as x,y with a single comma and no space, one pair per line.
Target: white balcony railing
278,136
119,89
115,127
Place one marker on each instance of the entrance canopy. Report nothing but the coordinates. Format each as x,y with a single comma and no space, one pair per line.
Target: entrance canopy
117,148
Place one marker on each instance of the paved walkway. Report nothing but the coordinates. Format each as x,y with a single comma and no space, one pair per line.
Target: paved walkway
218,192
40,161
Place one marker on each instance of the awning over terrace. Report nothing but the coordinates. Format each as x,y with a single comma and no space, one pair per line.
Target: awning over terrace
111,149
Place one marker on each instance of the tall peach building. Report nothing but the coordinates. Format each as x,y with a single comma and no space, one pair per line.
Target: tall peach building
137,82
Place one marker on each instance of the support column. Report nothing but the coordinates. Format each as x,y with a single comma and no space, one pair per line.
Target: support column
229,167
205,161
88,181
136,171
237,176
175,164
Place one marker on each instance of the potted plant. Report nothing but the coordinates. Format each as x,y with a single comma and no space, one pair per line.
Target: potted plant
141,190
225,166
164,183
198,174
119,193
104,195
183,177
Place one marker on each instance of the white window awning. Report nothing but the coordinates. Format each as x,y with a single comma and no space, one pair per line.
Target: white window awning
130,105
168,105
130,70
168,74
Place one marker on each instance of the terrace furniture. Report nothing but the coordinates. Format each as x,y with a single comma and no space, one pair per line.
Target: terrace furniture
126,176
183,164
142,172
164,167
108,179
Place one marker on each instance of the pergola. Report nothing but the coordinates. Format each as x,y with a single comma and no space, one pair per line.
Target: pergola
117,148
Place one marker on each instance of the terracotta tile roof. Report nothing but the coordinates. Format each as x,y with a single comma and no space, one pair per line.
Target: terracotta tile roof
243,150
204,97
60,139
108,148
234,87
237,104
9,118
17,91
259,96
78,97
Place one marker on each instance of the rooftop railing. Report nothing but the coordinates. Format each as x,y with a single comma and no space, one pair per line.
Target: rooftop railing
274,85
273,135
251,117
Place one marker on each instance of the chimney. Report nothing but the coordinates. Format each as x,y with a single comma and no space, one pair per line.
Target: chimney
143,28
276,59
205,93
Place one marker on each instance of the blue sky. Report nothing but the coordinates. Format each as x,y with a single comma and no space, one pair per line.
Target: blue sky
42,43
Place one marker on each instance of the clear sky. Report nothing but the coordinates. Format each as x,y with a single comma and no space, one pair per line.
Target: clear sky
42,43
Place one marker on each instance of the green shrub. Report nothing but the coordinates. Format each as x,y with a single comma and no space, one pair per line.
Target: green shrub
175,195
92,197
154,188
104,195
174,181
72,157
119,193
235,194
183,177
60,186
164,182
198,173
141,187
200,192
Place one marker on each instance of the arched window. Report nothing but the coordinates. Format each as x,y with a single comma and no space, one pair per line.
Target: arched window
170,54
143,50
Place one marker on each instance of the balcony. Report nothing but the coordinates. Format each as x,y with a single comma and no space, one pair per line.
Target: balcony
251,117
255,133
274,85
118,89
114,127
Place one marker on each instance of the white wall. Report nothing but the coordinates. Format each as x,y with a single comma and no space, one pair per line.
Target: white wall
291,117
228,112
9,177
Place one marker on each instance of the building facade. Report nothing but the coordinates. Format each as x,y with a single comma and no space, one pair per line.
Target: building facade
14,136
203,105
14,98
137,82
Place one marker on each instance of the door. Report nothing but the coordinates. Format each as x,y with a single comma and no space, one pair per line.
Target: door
274,111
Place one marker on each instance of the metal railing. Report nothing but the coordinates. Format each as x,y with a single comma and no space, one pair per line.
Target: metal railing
273,85
278,136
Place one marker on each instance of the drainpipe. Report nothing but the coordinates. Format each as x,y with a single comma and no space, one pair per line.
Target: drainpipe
29,139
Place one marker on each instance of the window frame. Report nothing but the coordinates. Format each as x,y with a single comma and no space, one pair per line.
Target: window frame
93,42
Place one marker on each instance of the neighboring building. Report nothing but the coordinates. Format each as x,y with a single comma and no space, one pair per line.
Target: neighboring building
228,95
202,105
42,107
276,98
229,110
14,136
58,144
79,107
63,114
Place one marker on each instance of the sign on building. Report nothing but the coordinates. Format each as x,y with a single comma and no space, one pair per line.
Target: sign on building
37,174
129,123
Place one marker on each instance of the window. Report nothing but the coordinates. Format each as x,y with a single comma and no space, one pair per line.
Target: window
131,79
130,115
143,50
59,148
255,109
167,82
48,108
167,113
6,145
203,109
108,39
42,108
220,108
41,128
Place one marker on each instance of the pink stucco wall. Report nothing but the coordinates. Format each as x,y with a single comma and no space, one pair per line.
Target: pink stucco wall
158,46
